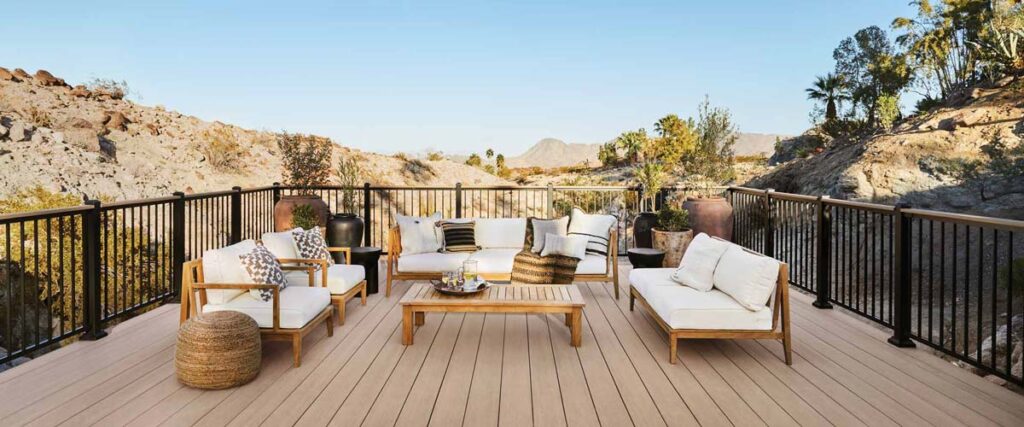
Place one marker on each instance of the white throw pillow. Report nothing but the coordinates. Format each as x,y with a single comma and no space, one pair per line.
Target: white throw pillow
596,228
543,227
500,232
697,268
747,277
419,234
570,246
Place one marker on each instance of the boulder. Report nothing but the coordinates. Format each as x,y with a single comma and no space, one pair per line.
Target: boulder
78,123
115,120
153,129
19,132
80,91
22,74
44,78
89,140
6,75
3,130
970,118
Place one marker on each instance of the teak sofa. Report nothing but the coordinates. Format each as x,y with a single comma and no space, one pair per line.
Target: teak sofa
495,262
684,312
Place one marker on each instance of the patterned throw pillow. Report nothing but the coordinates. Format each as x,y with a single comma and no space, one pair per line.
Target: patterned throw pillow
311,245
458,236
264,269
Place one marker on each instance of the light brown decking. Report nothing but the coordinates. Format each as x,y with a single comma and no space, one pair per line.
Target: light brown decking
513,369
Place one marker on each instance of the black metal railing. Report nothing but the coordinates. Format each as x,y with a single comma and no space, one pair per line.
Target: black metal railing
949,281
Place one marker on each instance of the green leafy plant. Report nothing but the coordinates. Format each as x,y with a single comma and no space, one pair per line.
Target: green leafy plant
651,176
306,160
349,173
304,216
673,219
711,161
888,111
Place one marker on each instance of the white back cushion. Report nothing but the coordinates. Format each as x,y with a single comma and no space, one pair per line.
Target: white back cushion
543,227
223,266
419,234
570,246
492,233
747,277
597,229
282,244
697,268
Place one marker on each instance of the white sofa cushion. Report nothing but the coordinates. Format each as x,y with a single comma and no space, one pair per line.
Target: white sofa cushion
543,227
493,233
697,268
645,278
748,277
223,266
340,277
592,264
683,307
282,244
595,227
419,234
495,261
431,262
299,305
571,246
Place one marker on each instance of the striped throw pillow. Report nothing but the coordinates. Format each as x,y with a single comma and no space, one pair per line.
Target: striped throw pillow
458,236
595,227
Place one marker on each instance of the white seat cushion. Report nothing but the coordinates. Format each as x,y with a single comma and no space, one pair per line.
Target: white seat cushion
683,307
506,233
223,266
748,277
697,268
592,264
340,277
495,261
431,262
645,278
282,244
299,305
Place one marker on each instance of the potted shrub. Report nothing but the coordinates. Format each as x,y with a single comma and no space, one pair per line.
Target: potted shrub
710,165
345,229
672,234
307,164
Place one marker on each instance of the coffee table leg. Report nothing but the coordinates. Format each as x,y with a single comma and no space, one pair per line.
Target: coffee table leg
576,327
568,319
406,325
420,318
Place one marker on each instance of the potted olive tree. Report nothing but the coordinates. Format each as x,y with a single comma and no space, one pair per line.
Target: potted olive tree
709,165
672,234
345,229
307,164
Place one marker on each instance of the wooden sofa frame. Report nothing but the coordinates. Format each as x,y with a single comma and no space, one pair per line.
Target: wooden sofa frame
395,249
780,321
340,299
194,286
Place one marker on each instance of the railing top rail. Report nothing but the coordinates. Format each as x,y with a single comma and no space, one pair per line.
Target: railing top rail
794,197
138,202
42,214
745,190
981,221
886,209
209,195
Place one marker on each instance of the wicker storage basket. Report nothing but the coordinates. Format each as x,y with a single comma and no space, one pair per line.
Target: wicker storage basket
218,350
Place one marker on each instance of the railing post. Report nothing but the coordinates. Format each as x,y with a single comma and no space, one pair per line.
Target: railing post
769,231
367,219
823,242
236,215
458,200
901,301
91,248
659,199
550,201
277,192
177,243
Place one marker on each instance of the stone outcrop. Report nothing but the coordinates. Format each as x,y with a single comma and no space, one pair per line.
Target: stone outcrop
5,74
80,91
115,120
44,78
22,74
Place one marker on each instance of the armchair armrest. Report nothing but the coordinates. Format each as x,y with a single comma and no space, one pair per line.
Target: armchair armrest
346,250
320,264
276,298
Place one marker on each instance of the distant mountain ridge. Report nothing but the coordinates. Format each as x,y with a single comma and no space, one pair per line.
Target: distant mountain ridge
553,153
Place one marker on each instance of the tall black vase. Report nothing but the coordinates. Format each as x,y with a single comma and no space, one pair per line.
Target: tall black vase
344,230
642,226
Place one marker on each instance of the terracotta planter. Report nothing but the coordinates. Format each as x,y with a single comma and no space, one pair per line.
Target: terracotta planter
674,243
711,215
283,210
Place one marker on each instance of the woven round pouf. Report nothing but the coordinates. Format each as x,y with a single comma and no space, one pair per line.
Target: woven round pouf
218,350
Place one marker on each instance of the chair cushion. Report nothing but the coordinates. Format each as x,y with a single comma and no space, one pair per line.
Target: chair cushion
683,307
504,233
748,277
595,227
458,236
340,277
495,261
574,246
592,264
223,266
299,305
282,244
419,234
543,227
431,262
697,268
643,279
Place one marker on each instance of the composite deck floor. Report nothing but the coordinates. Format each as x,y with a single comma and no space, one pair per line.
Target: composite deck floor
514,370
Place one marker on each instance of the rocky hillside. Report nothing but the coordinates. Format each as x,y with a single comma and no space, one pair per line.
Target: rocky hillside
91,141
924,161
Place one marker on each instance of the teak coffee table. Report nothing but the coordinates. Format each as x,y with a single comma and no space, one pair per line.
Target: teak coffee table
565,299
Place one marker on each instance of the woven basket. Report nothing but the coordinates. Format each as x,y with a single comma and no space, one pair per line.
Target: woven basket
218,350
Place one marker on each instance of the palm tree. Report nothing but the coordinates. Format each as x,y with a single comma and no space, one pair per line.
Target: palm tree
490,153
830,89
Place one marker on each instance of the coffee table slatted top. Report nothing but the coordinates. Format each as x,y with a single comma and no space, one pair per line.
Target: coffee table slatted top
514,295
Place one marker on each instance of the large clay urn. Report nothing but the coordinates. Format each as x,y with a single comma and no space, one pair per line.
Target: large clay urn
283,210
711,215
673,243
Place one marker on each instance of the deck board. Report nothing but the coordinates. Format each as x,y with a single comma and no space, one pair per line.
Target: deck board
515,369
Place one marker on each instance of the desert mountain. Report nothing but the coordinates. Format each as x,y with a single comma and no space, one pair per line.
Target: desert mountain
921,162
90,142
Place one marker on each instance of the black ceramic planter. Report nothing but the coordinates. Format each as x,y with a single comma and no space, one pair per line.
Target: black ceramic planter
345,230
642,226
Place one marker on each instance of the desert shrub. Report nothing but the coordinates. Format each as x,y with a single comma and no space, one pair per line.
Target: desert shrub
221,147
845,128
651,175
349,173
401,156
109,87
505,173
474,160
888,111
304,216
37,116
758,159
927,104
489,169
306,159
418,168
671,218
435,156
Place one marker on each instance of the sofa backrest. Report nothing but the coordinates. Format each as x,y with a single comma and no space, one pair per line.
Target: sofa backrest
500,233
281,244
223,266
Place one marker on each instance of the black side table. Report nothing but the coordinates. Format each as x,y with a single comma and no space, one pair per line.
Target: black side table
368,257
645,257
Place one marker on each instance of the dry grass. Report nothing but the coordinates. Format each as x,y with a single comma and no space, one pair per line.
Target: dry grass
221,147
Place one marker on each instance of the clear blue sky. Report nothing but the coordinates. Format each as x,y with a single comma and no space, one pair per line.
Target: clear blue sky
454,76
